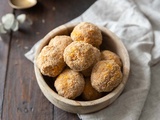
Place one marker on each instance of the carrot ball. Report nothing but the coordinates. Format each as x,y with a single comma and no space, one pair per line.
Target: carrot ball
87,32
108,55
69,84
50,61
106,75
87,72
79,55
61,41
89,93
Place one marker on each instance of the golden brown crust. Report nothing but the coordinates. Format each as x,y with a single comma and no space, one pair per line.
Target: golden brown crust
69,84
106,75
89,93
88,33
61,41
108,55
79,55
87,72
50,61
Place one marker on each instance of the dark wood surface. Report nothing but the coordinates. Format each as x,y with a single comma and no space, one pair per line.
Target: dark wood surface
20,96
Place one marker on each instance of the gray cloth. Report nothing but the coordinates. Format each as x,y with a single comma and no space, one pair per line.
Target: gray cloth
137,23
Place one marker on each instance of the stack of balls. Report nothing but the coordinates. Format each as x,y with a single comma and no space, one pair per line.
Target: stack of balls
79,67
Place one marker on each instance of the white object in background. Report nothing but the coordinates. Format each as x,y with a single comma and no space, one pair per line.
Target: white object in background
22,4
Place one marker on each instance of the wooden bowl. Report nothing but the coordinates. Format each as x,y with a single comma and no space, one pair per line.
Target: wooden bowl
46,84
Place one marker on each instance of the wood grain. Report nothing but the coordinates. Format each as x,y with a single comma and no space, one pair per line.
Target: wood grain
23,100
4,53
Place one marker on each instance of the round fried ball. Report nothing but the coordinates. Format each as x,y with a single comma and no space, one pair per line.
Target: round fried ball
88,33
69,84
106,75
87,72
89,93
50,61
61,41
79,55
108,55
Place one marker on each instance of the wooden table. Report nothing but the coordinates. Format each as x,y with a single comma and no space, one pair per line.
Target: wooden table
20,95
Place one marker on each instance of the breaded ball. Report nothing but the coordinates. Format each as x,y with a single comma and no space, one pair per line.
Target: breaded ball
61,41
50,61
79,55
108,55
106,75
69,84
89,93
87,32
87,72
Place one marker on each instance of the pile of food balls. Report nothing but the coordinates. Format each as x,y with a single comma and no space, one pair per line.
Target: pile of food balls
79,67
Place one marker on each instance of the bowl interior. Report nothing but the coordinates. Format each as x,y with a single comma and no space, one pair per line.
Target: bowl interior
110,42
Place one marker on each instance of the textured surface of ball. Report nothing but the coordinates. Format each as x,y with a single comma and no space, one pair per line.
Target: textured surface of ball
106,75
89,93
50,61
87,32
69,84
61,41
109,55
79,55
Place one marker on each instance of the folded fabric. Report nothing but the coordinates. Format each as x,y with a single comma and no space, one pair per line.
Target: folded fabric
137,24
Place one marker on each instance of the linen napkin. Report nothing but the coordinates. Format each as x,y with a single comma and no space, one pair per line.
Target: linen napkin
137,24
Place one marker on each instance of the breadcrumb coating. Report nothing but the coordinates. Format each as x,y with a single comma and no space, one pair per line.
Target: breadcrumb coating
69,84
79,55
50,61
61,41
87,72
89,93
106,75
87,32
74,57
108,55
